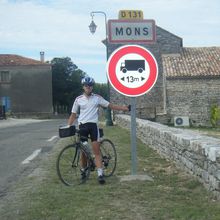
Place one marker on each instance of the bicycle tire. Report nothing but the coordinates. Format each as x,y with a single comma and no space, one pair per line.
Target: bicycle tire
68,165
109,157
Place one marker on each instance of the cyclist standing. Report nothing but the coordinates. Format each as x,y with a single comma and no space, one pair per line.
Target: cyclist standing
88,104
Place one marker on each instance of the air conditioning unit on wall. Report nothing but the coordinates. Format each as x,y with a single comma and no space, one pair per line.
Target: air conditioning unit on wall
181,121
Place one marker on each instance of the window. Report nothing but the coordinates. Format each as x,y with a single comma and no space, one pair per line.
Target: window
5,76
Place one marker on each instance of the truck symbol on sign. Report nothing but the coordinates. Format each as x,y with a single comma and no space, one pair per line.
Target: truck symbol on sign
133,65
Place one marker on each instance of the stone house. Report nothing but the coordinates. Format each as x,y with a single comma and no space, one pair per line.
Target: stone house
25,85
192,83
188,81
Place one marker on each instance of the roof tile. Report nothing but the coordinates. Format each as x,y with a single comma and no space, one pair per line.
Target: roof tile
192,62
16,60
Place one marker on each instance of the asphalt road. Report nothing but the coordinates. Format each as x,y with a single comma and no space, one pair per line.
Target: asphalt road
22,147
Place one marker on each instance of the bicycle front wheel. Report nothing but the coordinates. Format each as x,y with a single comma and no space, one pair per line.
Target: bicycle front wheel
69,165
109,157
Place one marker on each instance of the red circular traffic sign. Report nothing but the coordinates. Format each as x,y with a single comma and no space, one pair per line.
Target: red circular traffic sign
132,70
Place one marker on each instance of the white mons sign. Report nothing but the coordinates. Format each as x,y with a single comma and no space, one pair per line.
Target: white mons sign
131,31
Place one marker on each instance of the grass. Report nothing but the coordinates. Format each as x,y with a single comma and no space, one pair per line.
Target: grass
205,130
172,195
209,131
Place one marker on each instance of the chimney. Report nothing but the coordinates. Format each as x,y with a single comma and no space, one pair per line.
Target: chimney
42,56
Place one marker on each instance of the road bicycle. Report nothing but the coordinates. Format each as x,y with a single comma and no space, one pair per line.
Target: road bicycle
69,166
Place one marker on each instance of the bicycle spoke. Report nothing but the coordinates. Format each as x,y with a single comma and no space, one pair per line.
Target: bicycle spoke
69,167
109,157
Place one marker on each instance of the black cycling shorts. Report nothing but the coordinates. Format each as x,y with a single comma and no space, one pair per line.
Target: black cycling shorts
89,130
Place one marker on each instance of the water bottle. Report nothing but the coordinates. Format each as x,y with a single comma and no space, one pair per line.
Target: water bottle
85,143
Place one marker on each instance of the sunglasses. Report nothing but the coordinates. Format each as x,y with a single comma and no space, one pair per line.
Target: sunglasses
88,85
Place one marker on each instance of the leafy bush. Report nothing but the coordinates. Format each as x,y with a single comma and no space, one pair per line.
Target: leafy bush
215,115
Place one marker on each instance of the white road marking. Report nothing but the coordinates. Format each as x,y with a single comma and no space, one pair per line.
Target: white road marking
52,138
31,157
36,152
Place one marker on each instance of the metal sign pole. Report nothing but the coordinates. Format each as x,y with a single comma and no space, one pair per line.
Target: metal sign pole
133,137
137,83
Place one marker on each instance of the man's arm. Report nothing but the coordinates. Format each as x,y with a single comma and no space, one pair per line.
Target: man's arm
118,107
71,119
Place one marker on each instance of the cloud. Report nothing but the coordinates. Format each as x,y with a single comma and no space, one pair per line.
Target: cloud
60,27
32,25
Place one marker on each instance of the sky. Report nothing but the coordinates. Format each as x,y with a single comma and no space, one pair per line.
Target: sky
60,27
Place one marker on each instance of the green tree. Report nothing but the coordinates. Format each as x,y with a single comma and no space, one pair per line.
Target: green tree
66,81
101,89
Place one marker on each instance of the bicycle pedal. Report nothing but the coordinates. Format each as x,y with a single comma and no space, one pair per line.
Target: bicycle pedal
92,168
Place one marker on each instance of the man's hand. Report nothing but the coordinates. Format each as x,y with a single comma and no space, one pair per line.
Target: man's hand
129,108
119,107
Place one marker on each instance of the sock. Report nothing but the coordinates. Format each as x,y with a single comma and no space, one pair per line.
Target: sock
100,171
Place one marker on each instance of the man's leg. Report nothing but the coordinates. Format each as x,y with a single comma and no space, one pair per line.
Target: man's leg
83,160
96,151
98,160
83,163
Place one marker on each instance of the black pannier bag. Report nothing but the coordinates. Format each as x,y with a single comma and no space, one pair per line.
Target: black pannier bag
67,131
101,133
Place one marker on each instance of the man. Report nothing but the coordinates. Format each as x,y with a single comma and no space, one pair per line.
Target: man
88,104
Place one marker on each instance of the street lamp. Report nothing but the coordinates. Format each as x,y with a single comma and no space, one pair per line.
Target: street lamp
92,28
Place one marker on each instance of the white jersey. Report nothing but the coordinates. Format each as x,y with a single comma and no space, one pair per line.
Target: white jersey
88,107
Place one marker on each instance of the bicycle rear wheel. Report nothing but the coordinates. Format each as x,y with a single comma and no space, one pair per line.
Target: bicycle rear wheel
69,166
109,157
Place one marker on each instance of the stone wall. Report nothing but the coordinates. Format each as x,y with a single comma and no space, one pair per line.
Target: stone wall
192,98
191,151
168,42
